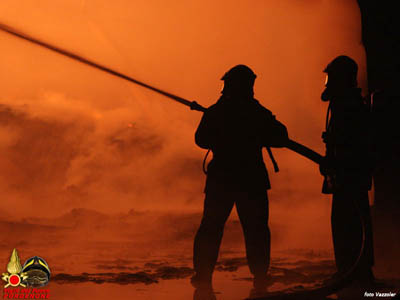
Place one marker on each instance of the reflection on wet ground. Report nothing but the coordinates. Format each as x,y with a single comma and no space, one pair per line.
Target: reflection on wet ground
163,279
145,256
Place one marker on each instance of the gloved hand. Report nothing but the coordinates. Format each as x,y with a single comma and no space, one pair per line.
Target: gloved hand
326,137
327,166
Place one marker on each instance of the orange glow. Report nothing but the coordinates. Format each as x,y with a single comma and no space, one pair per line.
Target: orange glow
74,137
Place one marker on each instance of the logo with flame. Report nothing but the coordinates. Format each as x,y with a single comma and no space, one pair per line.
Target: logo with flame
15,276
34,273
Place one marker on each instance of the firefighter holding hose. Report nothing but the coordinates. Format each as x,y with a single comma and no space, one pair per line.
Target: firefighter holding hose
236,128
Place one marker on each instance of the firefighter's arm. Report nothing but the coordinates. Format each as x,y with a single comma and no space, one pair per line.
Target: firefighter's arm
206,133
277,134
280,136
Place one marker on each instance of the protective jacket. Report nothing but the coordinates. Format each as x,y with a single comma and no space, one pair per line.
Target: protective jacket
236,132
348,141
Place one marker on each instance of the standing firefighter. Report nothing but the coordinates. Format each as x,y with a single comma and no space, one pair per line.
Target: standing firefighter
347,167
236,128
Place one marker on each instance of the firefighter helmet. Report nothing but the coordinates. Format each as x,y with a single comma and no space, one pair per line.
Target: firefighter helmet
342,65
239,73
37,271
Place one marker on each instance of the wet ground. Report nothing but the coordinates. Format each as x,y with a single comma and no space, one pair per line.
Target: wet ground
163,279
93,256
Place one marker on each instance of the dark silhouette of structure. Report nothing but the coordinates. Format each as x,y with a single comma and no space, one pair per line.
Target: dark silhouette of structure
236,128
348,167
381,39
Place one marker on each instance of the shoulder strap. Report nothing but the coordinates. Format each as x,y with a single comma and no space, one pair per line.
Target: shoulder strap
271,156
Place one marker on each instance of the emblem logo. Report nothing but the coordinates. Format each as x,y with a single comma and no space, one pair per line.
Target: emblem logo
34,273
15,276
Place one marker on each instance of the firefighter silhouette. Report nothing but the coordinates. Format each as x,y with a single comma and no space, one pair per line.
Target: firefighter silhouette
347,167
236,128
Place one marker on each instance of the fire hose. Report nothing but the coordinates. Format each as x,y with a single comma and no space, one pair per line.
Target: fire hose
292,145
328,289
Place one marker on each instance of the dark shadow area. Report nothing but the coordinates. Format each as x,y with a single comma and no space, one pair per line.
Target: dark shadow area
381,38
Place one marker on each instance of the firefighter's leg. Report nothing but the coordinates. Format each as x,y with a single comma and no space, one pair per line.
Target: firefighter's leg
347,228
253,214
217,207
367,260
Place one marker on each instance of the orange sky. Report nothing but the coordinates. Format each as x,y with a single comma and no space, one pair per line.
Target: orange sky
64,135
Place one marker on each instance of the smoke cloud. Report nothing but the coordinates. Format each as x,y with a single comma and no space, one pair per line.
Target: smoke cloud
72,136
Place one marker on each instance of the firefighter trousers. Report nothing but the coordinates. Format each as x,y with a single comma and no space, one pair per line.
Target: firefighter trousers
252,209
